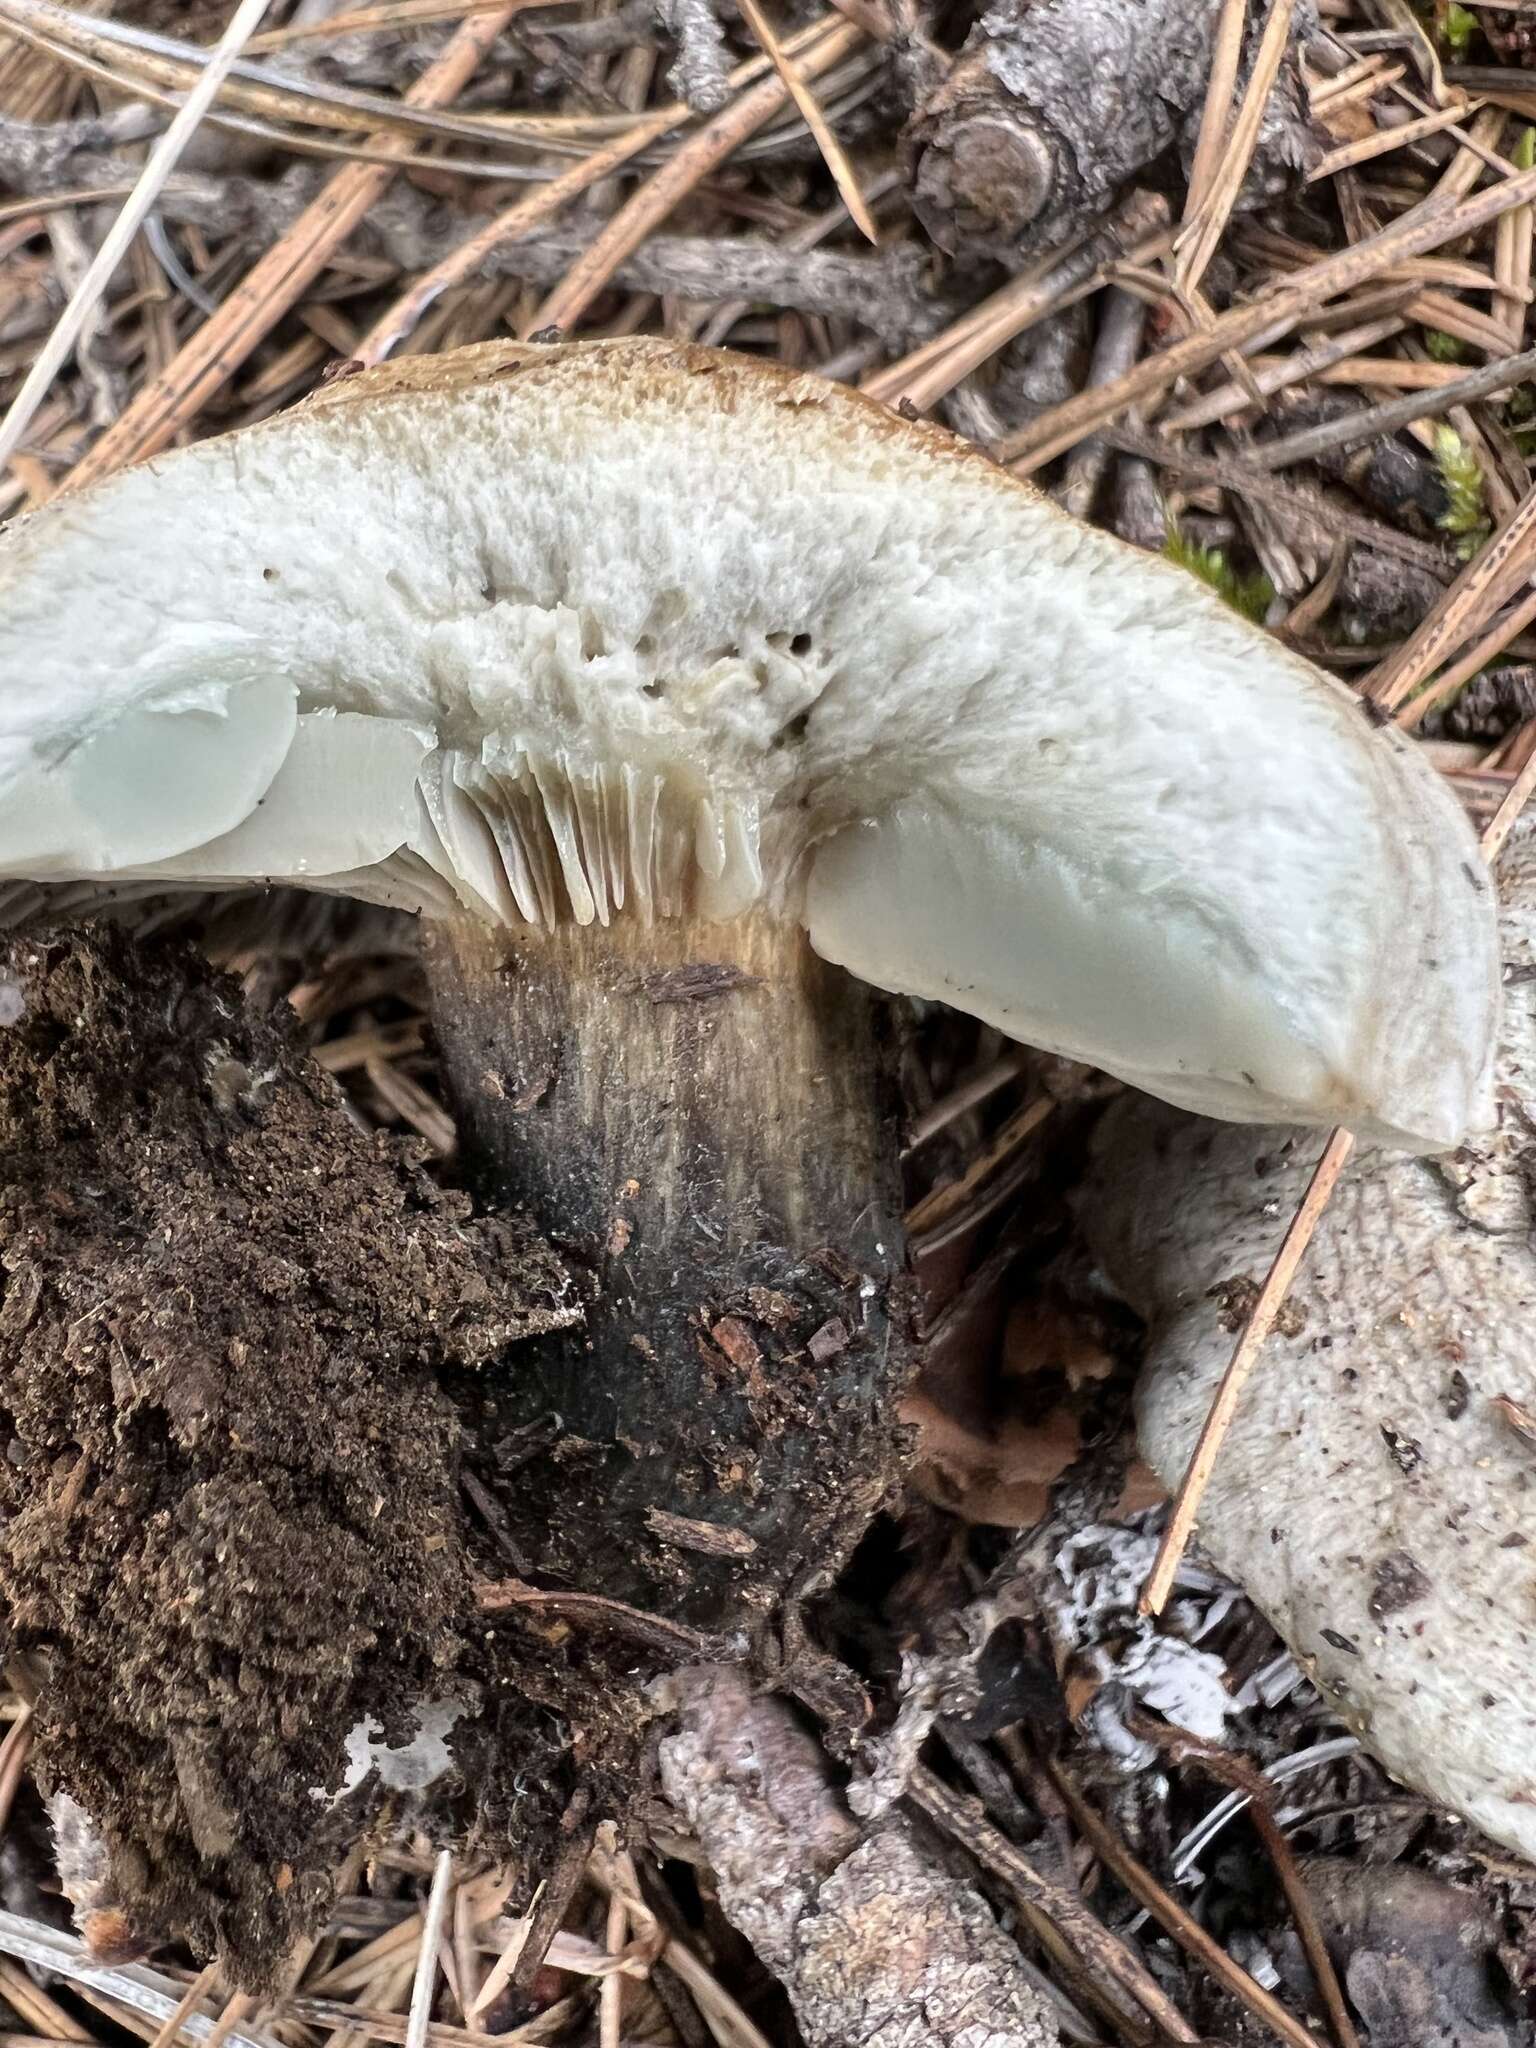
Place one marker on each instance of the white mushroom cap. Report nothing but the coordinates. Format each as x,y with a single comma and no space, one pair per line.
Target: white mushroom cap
629,627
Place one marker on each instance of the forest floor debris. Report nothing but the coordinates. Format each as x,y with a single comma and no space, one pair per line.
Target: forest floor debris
1285,335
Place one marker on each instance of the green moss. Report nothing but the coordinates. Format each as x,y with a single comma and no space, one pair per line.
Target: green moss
1457,26
1466,506
1444,348
1250,594
1453,26
1521,418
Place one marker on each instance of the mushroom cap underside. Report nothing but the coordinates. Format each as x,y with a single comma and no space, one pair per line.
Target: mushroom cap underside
635,629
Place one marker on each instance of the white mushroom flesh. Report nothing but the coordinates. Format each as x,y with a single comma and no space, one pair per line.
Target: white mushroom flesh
629,629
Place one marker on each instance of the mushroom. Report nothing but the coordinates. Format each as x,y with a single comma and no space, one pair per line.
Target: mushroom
1377,1493
638,666
554,634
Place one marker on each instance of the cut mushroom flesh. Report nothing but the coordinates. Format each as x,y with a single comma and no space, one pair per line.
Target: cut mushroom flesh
633,630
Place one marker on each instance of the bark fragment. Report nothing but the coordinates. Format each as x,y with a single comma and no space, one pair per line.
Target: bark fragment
1054,105
876,1944
702,73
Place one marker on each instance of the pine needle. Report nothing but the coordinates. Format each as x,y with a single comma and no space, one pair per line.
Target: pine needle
211,356
163,159
833,154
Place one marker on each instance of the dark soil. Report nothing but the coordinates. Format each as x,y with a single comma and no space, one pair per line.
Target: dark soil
285,1448
230,1522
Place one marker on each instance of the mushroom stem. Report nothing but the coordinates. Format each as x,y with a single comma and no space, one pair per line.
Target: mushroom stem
704,1116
